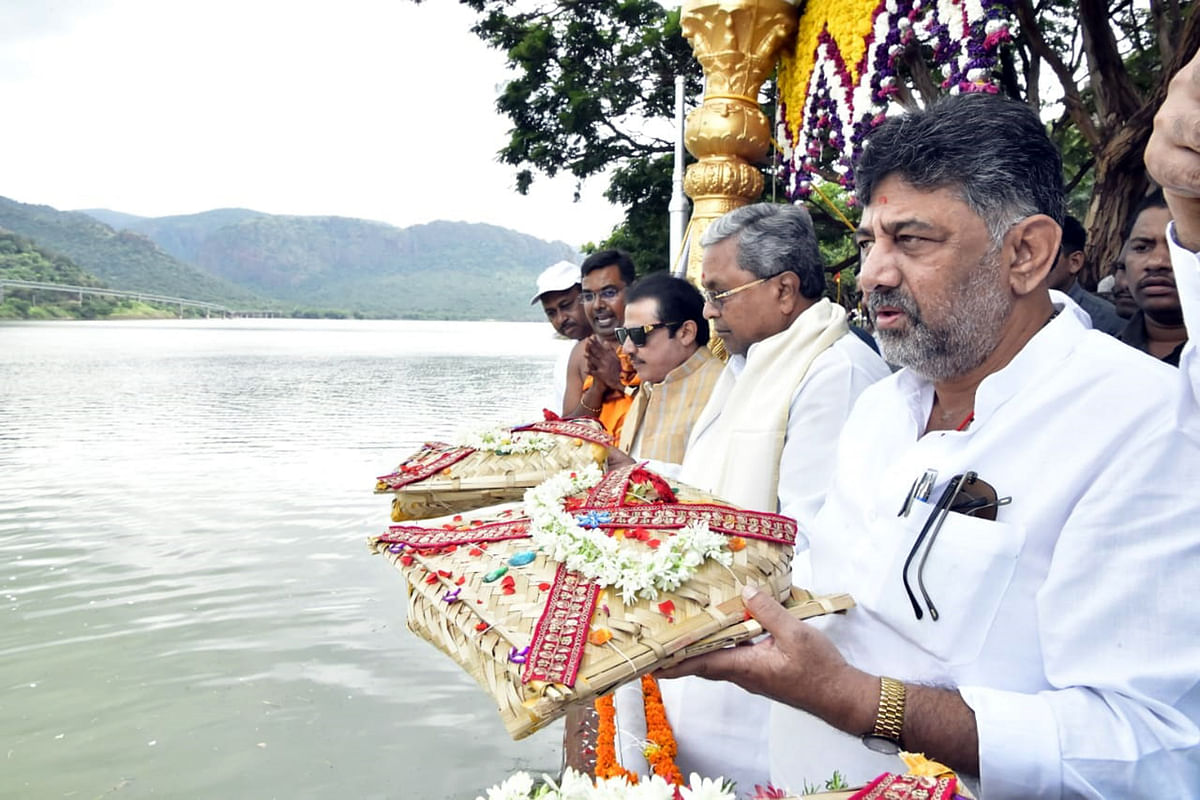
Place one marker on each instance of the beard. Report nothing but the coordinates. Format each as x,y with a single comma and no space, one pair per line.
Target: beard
968,327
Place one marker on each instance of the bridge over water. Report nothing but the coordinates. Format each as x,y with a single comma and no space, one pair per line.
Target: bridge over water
210,309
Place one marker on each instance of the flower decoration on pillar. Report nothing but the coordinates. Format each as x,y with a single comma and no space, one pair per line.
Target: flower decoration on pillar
836,84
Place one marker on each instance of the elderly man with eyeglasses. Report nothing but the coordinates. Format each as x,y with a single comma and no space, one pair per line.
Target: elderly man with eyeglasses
767,435
1025,579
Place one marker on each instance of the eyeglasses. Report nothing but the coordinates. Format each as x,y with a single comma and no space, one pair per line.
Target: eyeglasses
966,494
608,294
638,335
717,299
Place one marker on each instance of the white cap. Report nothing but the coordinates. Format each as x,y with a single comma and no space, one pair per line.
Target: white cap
556,278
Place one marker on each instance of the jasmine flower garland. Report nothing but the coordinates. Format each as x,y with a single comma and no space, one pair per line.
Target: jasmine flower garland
576,786
635,572
504,442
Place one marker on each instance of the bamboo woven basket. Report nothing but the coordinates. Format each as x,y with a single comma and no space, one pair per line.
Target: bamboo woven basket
540,639
444,478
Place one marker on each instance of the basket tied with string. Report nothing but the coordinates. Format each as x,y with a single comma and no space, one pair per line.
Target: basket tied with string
490,467
591,582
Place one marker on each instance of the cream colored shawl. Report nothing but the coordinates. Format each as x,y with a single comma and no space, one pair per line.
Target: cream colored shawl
738,438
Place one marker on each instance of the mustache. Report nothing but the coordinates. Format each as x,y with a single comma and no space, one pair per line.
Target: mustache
893,298
1156,279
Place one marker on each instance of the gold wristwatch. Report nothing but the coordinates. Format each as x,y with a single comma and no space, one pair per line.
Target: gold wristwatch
889,719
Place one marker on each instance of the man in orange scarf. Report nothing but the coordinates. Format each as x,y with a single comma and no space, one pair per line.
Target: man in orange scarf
601,381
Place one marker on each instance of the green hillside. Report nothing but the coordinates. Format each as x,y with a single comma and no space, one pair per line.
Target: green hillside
443,270
306,266
123,260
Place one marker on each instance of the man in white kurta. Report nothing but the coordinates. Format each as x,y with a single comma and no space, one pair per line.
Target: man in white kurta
1048,647
766,438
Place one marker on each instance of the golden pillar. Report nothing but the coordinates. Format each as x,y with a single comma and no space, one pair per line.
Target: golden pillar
737,42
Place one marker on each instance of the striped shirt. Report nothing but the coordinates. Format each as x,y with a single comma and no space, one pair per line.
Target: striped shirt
662,415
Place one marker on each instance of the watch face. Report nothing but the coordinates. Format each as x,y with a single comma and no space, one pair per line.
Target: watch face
881,744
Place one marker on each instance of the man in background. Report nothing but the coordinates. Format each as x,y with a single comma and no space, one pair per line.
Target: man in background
1064,278
600,383
558,290
1157,328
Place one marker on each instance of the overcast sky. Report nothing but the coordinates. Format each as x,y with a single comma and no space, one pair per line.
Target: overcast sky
379,109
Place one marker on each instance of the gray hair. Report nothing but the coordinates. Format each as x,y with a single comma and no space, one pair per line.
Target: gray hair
773,238
994,152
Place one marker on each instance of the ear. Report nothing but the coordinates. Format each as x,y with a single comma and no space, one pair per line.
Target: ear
686,333
1035,241
787,290
1075,262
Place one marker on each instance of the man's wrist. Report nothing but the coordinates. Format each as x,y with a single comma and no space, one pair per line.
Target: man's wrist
1187,239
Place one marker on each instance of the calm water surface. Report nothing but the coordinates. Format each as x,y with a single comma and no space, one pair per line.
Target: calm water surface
187,604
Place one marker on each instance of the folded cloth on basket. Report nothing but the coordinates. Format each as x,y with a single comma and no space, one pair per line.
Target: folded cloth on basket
489,467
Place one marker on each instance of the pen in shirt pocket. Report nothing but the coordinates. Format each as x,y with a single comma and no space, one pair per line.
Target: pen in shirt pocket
921,489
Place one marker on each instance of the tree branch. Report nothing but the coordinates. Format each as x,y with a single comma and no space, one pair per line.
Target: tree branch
1116,96
1074,102
1084,169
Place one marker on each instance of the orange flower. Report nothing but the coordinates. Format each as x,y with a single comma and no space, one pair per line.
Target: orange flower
737,543
599,636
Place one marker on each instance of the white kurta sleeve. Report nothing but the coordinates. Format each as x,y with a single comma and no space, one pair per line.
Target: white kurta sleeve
1186,265
1116,622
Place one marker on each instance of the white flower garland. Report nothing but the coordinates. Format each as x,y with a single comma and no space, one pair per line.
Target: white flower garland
577,786
593,554
504,442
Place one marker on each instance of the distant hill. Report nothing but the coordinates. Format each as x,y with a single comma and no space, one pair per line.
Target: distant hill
449,270
122,259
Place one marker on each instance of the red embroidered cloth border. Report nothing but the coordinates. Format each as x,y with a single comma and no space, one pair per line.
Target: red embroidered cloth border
568,427
425,463
889,786
610,492
561,633
721,519
416,536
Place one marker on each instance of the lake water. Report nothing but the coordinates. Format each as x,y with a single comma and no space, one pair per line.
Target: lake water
187,604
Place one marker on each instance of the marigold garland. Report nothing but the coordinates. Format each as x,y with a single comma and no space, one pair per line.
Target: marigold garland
606,742
661,747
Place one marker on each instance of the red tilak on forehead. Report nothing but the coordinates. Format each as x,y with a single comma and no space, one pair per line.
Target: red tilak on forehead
883,200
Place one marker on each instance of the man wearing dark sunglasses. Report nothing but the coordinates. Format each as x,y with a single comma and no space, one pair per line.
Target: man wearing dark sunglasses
1025,579
665,336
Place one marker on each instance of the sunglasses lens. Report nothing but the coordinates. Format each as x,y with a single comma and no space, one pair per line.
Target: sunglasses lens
638,336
